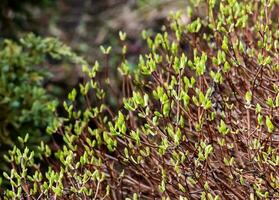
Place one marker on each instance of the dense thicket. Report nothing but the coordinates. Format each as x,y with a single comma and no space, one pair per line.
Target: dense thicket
198,118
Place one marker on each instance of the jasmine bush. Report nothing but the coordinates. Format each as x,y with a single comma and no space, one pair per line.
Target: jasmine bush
200,123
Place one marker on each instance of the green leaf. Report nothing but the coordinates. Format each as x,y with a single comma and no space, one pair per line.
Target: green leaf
277,100
270,126
72,95
248,97
222,128
122,35
225,45
104,50
166,109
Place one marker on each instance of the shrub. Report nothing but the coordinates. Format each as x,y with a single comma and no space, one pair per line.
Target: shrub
25,104
198,117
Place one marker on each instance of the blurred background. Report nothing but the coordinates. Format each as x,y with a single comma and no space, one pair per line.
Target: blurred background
84,25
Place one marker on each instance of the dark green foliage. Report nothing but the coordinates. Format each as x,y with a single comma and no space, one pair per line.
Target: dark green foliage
24,103
23,99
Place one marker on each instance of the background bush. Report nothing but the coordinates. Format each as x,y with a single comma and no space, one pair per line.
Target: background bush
26,106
